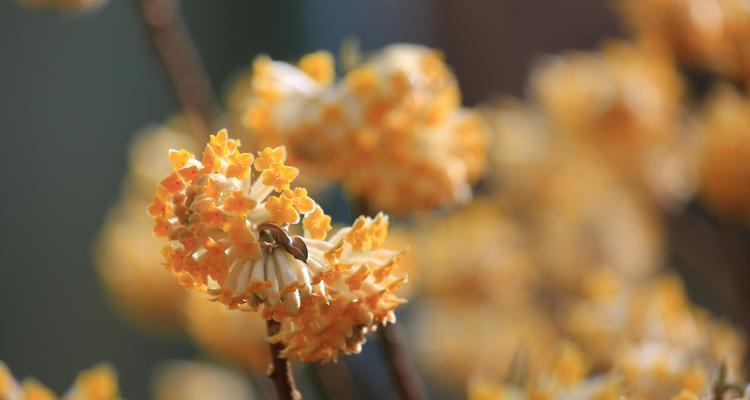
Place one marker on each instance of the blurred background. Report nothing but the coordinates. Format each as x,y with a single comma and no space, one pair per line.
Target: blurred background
76,88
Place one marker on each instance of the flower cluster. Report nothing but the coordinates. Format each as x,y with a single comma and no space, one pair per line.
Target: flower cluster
391,130
526,295
708,33
624,100
229,219
97,383
724,157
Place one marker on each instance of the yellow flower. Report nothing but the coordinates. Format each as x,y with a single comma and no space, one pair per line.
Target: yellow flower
319,66
392,130
279,176
624,101
249,259
724,157
190,380
97,383
703,33
33,390
282,210
317,224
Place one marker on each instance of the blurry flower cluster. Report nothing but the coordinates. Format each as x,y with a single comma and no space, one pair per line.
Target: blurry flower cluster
97,383
392,130
712,34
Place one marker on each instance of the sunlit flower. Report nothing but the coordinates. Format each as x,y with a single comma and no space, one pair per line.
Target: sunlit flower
392,129
476,252
97,383
247,257
454,339
578,213
626,102
237,337
712,34
184,380
725,154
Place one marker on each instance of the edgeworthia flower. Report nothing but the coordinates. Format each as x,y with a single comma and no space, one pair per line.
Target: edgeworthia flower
392,130
229,219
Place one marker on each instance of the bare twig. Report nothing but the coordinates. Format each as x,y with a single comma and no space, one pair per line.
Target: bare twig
279,370
405,377
167,32
409,385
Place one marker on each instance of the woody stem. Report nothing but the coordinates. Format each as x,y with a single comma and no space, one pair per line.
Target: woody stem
279,370
392,343
167,32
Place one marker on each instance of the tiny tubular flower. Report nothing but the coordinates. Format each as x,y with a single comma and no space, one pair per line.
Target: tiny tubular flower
229,236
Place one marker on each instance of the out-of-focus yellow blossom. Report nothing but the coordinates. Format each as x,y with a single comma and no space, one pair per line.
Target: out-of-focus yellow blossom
237,337
126,254
229,236
725,153
199,381
714,34
578,214
626,102
455,338
64,5
97,383
392,130
476,252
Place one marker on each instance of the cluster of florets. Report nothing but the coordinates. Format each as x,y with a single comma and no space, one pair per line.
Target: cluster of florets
229,219
392,130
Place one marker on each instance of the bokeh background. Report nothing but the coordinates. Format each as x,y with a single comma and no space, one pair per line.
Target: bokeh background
75,88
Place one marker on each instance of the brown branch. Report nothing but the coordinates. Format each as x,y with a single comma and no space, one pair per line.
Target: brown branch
407,382
279,370
392,342
168,34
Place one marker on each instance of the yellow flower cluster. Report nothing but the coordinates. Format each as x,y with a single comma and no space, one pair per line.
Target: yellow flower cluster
491,278
625,101
230,236
566,379
712,34
392,130
97,383
724,161
190,380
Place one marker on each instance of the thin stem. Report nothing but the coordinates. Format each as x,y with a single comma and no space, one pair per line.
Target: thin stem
187,76
407,382
279,371
392,342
